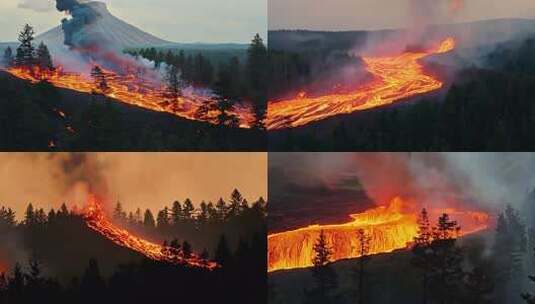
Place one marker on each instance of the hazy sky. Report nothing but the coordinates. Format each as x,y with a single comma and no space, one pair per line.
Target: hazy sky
146,180
380,14
175,20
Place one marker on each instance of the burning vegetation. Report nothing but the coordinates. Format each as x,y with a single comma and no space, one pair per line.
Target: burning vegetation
396,78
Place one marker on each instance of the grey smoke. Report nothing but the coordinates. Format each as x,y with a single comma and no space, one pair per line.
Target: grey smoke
74,28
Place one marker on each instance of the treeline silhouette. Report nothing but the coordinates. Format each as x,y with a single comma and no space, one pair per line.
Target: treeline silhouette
233,81
58,259
487,108
440,268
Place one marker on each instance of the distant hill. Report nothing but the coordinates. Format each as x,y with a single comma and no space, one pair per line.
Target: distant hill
469,34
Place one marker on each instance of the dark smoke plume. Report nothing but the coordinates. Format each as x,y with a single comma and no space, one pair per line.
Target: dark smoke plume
74,29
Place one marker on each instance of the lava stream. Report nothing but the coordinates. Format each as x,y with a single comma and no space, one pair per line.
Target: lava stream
135,91
390,227
396,78
96,220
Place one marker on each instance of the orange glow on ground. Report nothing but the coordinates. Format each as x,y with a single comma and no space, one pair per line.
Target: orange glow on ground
396,78
134,91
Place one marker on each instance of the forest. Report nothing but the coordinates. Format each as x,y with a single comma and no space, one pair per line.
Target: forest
438,267
486,108
56,258
41,117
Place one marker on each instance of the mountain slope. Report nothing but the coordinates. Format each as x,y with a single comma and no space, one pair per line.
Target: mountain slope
112,29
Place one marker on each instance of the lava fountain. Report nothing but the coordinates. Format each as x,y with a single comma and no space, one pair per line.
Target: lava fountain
390,227
96,219
396,78
134,90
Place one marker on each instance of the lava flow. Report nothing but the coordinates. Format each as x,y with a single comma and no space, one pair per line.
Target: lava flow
96,220
396,78
136,91
390,227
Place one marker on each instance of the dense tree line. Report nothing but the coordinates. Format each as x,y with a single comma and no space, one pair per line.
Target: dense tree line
71,263
488,108
233,81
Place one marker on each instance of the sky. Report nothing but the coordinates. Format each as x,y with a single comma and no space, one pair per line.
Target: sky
185,21
383,14
145,180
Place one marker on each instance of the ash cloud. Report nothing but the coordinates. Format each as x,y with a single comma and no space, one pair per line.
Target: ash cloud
75,28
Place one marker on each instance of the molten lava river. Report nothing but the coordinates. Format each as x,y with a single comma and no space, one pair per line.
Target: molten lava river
396,78
138,92
390,227
96,220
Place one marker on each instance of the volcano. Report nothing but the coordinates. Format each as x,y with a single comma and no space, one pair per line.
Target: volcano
107,26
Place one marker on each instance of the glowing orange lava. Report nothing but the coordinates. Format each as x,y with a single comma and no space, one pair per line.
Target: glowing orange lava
396,78
135,91
96,220
390,227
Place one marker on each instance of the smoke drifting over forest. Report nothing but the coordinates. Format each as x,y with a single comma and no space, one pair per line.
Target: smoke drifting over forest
488,181
136,179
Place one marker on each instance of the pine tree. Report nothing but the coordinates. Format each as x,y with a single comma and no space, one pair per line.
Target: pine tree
422,252
118,213
148,220
100,81
221,208
188,209
44,60
162,220
257,74
174,86
446,266
29,216
359,273
26,52
236,200
176,213
324,276
8,59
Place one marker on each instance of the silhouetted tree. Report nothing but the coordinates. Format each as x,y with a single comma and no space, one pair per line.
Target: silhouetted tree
100,80
359,273
446,267
148,220
26,52
236,200
257,75
324,276
44,60
422,253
